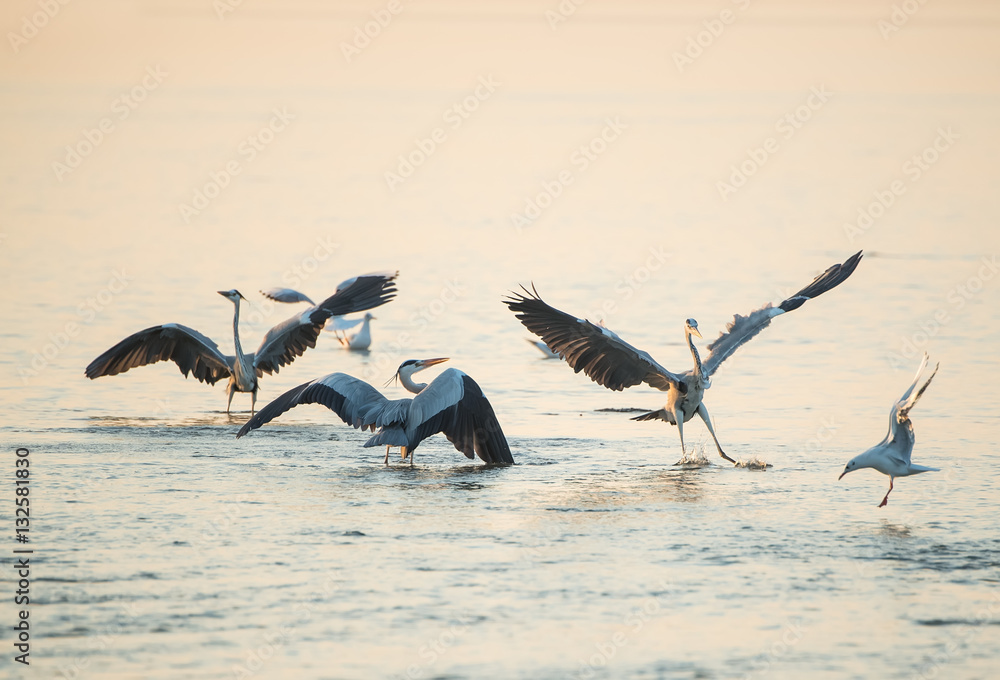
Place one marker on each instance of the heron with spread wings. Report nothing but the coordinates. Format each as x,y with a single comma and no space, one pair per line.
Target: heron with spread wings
610,361
453,403
198,355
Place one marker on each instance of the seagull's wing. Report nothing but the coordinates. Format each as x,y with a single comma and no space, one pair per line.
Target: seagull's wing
288,295
742,328
356,402
601,354
901,409
339,323
454,405
193,353
543,348
292,337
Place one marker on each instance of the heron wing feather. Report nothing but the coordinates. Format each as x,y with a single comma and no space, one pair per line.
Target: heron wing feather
292,337
356,402
597,351
454,404
194,353
744,328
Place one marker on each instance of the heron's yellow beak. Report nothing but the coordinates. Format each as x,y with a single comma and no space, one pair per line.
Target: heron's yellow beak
695,331
424,363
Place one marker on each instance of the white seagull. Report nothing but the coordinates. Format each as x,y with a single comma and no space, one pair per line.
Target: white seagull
892,455
453,403
361,340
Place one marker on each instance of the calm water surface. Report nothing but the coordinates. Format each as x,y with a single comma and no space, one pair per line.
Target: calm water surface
167,548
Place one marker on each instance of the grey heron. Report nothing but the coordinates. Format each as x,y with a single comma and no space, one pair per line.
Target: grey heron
610,361
891,456
198,355
361,340
453,403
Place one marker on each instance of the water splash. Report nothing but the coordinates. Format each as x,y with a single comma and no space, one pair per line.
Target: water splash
753,463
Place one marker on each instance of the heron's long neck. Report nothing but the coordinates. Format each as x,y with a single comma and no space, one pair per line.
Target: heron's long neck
240,357
414,387
694,352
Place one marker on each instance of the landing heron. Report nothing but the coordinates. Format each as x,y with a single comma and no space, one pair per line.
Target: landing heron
610,361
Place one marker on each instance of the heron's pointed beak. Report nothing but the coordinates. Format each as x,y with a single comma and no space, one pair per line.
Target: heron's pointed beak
426,363
695,331
223,293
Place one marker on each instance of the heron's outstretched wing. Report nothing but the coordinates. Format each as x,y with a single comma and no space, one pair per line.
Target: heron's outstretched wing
742,328
292,337
193,353
287,295
356,402
454,405
601,354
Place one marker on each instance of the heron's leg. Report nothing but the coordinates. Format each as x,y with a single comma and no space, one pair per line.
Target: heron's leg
387,454
229,404
703,412
253,401
885,500
679,419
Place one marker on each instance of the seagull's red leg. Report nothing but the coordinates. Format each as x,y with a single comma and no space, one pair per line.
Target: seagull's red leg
885,500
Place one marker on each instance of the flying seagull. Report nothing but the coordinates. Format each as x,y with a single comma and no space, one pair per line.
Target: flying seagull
892,455
610,361
452,403
201,357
